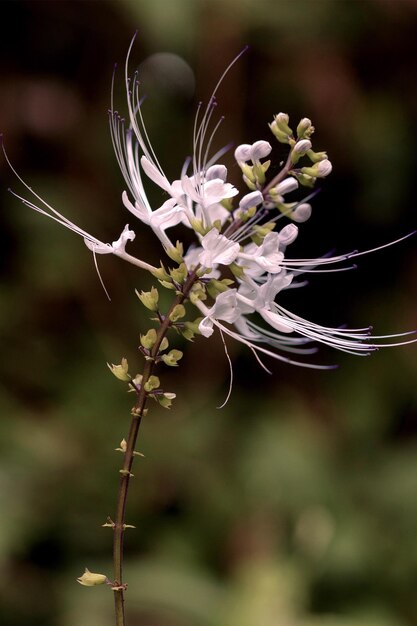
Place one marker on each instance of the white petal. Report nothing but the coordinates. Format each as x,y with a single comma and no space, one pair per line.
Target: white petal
98,248
286,186
217,171
288,234
154,174
206,327
243,152
139,210
260,149
251,199
301,213
276,321
127,235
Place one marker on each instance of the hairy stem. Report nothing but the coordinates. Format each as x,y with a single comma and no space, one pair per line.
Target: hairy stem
119,526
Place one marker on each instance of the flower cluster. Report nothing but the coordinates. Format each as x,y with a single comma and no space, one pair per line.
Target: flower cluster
237,265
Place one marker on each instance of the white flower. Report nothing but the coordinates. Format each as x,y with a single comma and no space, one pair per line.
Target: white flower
226,308
217,249
266,257
114,248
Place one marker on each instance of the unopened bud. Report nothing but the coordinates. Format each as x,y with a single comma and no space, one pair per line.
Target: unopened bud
177,313
120,371
164,344
305,128
319,169
148,341
152,383
165,399
300,149
89,579
149,298
301,213
316,156
286,186
177,253
288,234
172,357
179,274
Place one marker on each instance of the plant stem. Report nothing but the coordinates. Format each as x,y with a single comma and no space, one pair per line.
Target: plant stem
125,473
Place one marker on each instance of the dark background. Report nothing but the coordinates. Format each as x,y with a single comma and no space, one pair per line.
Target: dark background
295,505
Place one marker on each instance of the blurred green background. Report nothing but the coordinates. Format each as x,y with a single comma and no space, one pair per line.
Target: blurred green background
296,504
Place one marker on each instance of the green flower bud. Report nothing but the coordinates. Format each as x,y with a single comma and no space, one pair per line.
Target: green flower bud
259,171
247,171
149,298
89,579
177,253
153,383
177,313
305,128
304,179
168,285
197,293
120,371
172,357
160,273
179,274
215,287
280,128
164,344
198,226
315,157
123,446
249,183
165,400
237,270
191,329
282,137
319,169
148,341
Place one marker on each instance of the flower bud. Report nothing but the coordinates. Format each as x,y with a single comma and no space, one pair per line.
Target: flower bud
281,120
165,400
288,234
179,274
250,200
279,134
286,186
300,149
319,169
316,156
177,253
242,152
301,213
172,357
89,579
149,298
148,341
302,146
177,313
120,371
164,344
152,383
260,149
304,179
305,128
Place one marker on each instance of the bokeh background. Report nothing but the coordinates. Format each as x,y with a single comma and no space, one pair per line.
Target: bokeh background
296,504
